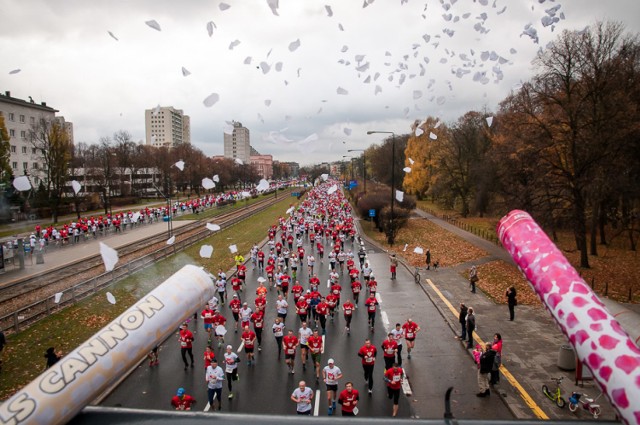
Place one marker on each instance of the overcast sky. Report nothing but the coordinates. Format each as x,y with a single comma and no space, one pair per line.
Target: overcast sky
378,67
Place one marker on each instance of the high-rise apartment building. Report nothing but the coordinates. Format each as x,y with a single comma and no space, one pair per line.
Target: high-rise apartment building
21,117
237,144
166,126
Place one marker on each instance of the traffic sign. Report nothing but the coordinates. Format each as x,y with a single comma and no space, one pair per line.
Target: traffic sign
372,213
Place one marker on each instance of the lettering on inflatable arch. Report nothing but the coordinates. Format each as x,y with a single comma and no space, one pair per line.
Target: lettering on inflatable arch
18,410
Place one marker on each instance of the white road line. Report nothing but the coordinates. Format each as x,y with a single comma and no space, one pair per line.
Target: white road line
322,345
385,320
379,297
207,407
316,407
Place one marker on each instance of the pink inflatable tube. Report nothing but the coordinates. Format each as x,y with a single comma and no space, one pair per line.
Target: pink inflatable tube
597,337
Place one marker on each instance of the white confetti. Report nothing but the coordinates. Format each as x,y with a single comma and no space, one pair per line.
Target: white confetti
262,186
342,91
111,298
171,240
293,46
324,177
213,227
411,161
57,297
109,256
76,186
273,5
238,161
113,36
211,100
233,44
347,131
180,165
399,195
185,72
210,27
489,121
262,279
153,24
407,169
207,183
233,249
405,247
329,11
22,183
417,94
216,178
206,251
433,136
332,189
418,250
223,6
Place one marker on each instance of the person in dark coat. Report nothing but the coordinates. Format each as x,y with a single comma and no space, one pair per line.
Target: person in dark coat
463,321
512,302
428,259
486,365
52,357
471,326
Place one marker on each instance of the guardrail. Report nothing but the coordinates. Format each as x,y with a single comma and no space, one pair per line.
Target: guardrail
28,315
482,233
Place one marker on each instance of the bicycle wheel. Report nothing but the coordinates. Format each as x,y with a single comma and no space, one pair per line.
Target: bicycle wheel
561,402
417,277
595,411
545,391
573,407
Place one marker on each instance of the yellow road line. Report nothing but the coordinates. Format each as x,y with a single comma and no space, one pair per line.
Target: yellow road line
512,380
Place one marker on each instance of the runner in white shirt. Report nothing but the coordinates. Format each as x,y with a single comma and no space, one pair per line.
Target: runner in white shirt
231,361
303,334
278,332
281,307
214,377
398,335
302,396
245,315
331,374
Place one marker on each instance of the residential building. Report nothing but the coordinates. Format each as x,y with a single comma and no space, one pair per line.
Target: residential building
238,144
166,126
20,117
263,164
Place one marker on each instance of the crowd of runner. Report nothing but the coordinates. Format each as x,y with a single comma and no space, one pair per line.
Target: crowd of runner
324,222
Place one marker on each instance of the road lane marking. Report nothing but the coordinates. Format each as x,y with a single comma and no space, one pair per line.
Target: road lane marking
322,345
379,297
512,380
406,388
207,407
385,320
316,407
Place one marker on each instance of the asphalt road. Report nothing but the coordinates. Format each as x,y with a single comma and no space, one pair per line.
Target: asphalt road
438,360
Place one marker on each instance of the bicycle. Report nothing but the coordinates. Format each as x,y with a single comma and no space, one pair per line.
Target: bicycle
556,395
416,275
588,403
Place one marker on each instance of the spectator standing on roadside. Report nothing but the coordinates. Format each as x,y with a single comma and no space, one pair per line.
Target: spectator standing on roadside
393,265
428,259
471,326
497,347
52,357
462,318
473,278
486,364
512,302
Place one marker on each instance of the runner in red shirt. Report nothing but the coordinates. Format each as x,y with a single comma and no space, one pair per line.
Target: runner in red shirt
270,270
394,377
411,330
236,284
261,302
219,320
336,290
315,347
285,280
371,304
356,287
322,309
257,319
348,308
260,260
302,308
296,290
207,314
314,281
332,302
182,401
209,356
289,344
368,354
372,285
242,273
348,398
389,350
185,337
235,304
353,274
249,339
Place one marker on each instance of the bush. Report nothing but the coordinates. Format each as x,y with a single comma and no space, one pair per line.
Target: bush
400,218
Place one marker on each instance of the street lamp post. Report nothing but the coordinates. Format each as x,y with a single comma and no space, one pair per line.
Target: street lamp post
364,167
393,176
346,174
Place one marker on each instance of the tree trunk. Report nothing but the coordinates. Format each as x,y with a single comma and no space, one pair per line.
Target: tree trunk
602,222
594,229
580,227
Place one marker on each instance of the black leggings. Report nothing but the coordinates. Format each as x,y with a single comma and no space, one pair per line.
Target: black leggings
183,352
368,374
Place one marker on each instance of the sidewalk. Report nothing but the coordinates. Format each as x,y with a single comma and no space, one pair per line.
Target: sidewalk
58,258
531,343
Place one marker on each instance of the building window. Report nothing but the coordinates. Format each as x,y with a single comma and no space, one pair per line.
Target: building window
25,166
24,149
33,151
32,120
14,165
13,149
36,180
21,118
23,134
35,165
12,133
12,116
